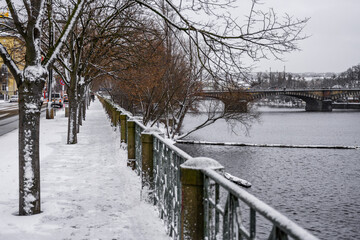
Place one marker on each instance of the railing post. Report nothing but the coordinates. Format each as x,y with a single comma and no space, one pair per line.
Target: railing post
147,159
192,199
131,144
114,116
50,112
123,127
67,110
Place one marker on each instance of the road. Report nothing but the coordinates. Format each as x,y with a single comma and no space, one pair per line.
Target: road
9,119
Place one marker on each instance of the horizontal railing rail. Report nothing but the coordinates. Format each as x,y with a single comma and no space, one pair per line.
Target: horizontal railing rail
193,198
232,222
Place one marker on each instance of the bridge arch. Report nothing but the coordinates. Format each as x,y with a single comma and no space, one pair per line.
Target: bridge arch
316,99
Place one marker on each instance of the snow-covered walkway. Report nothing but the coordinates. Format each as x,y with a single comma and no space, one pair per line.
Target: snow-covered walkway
87,190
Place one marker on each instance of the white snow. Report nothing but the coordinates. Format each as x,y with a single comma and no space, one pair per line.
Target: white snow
201,163
35,73
87,191
153,130
31,108
28,173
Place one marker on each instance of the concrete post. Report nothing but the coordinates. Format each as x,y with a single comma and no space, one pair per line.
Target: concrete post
313,105
49,113
192,200
147,159
118,112
192,206
236,106
123,128
115,116
66,110
131,144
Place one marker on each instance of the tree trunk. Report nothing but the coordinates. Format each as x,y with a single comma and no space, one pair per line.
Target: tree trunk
29,160
84,104
79,120
72,121
80,97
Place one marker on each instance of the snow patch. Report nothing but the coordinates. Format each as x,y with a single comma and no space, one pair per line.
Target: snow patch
153,130
31,108
201,163
35,73
82,81
28,173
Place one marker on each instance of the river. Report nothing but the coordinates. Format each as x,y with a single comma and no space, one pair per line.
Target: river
317,188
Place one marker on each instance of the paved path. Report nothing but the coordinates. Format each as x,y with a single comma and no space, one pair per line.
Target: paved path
87,190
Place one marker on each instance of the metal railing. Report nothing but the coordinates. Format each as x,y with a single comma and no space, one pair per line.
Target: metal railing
167,188
227,220
139,128
198,202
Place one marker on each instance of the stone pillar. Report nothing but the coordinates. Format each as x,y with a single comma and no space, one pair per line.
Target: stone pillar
118,112
314,105
115,116
123,128
326,106
50,113
147,159
192,199
237,106
66,110
131,144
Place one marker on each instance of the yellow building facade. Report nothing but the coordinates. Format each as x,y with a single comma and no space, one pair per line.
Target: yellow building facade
16,49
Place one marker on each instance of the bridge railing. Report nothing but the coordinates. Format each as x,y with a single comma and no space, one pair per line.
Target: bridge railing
192,196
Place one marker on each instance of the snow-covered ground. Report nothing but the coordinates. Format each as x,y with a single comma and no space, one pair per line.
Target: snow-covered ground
87,191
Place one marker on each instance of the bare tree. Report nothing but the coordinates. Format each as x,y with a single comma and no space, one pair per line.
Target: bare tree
213,53
30,82
222,44
87,55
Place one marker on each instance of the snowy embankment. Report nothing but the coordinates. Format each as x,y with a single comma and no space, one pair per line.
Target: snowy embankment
265,145
87,191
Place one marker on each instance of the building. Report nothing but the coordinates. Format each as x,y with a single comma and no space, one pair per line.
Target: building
14,45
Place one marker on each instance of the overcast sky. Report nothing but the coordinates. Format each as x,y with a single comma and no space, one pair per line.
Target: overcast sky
334,29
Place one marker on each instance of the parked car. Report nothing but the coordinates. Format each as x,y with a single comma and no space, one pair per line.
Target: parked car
66,98
56,100
14,98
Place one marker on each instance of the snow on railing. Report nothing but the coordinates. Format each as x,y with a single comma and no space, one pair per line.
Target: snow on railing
225,204
192,195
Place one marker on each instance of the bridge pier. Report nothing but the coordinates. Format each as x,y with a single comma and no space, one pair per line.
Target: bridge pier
236,106
313,105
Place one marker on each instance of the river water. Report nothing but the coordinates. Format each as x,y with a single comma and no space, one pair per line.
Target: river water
317,188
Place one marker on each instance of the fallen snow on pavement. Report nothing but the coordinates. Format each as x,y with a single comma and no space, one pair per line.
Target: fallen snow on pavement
87,191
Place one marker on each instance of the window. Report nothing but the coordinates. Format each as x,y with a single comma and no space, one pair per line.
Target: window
3,86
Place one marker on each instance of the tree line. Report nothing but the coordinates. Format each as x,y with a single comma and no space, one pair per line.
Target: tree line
152,56
347,79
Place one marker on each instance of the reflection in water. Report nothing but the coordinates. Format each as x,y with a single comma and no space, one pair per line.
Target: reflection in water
317,188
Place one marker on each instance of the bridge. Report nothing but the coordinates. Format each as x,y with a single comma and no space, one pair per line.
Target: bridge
317,100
